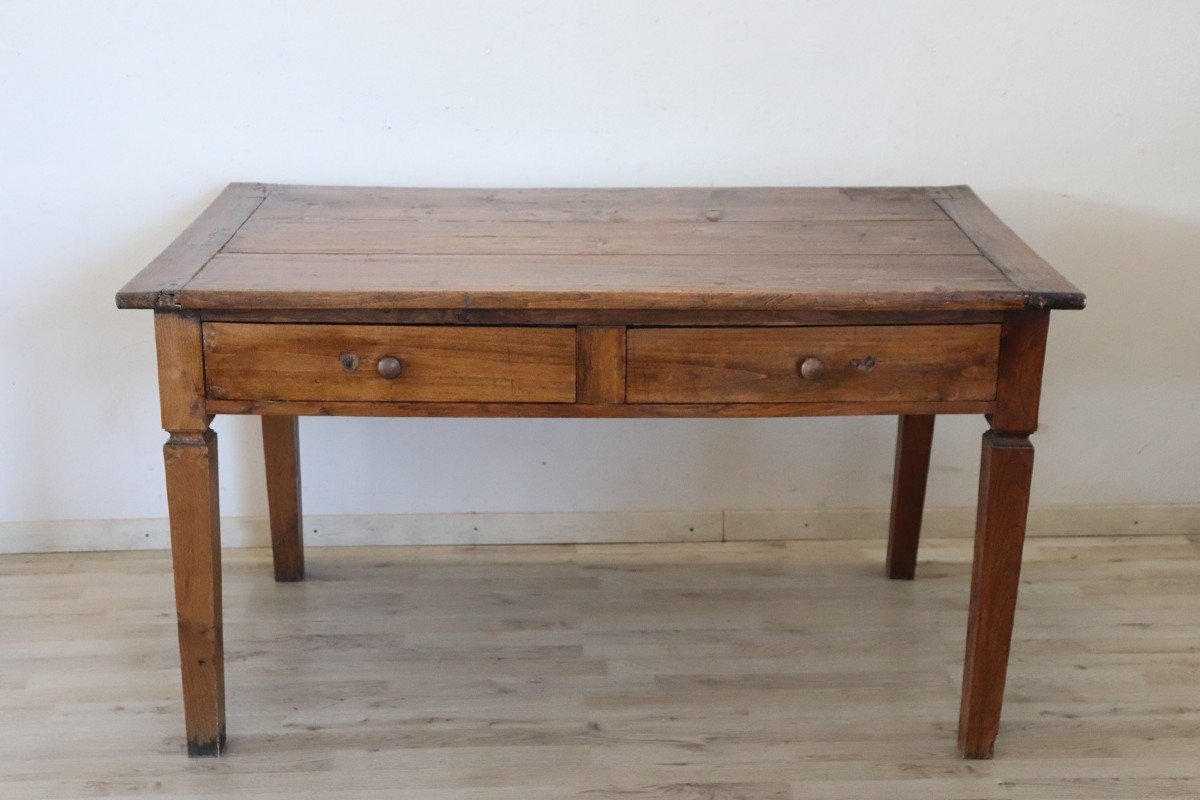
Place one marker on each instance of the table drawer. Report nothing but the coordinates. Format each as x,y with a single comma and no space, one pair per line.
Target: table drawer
434,363
851,363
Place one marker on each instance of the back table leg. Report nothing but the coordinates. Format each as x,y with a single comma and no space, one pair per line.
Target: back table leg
914,438
281,451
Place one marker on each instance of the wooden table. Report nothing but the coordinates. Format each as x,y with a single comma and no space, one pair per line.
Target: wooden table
284,301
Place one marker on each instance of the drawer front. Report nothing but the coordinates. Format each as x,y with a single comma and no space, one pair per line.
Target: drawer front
852,363
249,361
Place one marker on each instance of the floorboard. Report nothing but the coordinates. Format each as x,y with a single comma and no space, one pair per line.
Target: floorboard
740,670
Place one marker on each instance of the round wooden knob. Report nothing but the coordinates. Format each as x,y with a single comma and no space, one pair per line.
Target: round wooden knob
389,367
811,368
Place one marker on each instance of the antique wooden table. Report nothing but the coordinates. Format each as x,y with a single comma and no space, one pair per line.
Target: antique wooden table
286,301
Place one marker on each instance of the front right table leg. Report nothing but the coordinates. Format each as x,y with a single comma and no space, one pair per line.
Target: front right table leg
1006,469
1004,477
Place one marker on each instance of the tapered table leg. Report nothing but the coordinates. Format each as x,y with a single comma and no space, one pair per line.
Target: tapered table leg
914,438
1005,473
281,450
191,466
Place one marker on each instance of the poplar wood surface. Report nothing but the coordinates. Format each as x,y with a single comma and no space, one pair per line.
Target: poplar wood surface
160,282
281,456
180,355
190,465
761,365
1017,260
600,317
890,249
191,468
914,439
363,408
1019,375
438,363
1004,477
289,300
600,361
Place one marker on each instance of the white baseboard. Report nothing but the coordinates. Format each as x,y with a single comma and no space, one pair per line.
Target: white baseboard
595,527
869,523
390,529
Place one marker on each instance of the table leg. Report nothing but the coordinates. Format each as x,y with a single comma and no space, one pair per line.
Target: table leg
914,438
281,449
191,466
1005,472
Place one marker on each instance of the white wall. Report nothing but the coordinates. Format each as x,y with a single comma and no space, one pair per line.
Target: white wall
1079,122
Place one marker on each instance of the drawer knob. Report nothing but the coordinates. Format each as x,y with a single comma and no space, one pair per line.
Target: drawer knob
389,367
811,368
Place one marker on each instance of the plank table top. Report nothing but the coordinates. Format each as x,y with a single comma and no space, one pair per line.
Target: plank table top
290,301
311,247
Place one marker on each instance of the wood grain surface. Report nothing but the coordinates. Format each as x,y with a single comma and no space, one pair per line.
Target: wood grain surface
161,280
910,475
1023,340
703,282
1004,479
887,249
192,499
479,238
281,457
600,362
340,363
760,365
362,408
731,671
675,205
601,317
180,355
1017,260
441,280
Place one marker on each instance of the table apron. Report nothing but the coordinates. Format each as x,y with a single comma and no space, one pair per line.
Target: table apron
582,410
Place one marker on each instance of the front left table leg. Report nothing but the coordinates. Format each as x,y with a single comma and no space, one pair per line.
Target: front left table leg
191,466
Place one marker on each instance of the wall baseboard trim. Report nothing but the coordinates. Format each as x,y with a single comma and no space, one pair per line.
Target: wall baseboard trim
595,527
869,523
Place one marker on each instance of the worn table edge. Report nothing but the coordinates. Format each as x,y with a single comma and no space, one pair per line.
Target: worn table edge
566,302
1043,286
158,284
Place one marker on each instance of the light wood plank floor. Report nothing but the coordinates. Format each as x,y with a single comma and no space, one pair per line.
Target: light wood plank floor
737,670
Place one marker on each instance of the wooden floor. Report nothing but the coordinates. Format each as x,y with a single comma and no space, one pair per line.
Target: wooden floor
737,670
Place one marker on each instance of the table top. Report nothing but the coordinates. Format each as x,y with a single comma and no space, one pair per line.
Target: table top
886,249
